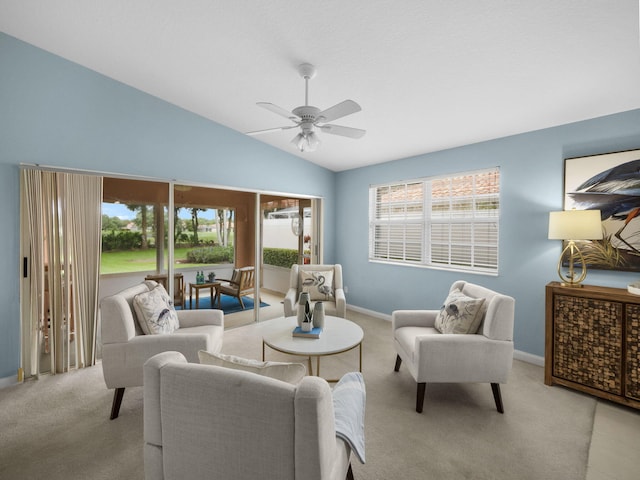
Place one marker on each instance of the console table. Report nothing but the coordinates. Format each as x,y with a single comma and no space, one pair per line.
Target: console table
592,341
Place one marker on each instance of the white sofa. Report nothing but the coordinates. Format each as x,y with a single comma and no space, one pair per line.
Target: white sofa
205,421
125,347
434,357
336,305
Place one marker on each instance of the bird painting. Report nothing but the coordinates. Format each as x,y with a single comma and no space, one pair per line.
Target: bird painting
616,193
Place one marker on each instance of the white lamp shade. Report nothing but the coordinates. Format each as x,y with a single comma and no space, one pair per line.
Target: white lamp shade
575,225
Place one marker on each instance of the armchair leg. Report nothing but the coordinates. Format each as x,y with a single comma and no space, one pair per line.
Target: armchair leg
350,473
495,387
117,401
420,397
398,363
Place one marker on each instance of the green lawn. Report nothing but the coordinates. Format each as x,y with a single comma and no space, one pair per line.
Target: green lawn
145,260
140,260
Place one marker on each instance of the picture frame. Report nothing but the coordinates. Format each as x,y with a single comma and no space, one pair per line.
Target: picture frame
610,183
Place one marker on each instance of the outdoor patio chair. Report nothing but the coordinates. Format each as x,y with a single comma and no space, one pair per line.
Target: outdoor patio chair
178,286
241,283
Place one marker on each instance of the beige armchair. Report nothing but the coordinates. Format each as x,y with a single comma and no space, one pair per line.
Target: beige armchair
313,278
125,347
205,421
434,357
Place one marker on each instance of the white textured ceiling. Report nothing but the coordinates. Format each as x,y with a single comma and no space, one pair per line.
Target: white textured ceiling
429,74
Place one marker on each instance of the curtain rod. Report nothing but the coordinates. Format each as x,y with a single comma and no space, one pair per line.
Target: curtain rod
51,168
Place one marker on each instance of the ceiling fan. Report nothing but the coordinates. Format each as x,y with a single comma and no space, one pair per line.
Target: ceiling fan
310,118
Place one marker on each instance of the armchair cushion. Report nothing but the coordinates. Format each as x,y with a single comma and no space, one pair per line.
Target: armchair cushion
460,314
319,285
154,311
286,372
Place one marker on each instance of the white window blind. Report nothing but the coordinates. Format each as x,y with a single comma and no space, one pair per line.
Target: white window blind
445,222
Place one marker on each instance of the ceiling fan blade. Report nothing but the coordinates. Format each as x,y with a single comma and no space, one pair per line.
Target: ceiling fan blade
279,110
269,130
340,110
343,131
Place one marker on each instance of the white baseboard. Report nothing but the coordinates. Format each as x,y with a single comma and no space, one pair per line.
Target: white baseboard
371,313
529,358
8,381
517,354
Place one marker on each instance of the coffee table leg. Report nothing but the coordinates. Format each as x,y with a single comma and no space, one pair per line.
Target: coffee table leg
263,348
310,367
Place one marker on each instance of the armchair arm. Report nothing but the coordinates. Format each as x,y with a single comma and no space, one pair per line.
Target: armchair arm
413,318
462,358
341,302
185,343
122,362
196,318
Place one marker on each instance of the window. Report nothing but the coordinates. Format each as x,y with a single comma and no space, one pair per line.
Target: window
441,222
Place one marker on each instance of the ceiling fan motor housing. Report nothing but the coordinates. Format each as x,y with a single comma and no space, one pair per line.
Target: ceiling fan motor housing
308,115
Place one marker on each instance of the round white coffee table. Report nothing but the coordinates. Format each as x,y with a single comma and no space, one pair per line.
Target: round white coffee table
338,335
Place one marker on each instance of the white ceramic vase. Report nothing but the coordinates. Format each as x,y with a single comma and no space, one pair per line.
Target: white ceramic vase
318,315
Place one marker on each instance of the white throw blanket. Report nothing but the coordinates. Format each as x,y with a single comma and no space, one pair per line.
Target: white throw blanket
349,399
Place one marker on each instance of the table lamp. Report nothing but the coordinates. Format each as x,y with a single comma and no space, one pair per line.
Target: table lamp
573,225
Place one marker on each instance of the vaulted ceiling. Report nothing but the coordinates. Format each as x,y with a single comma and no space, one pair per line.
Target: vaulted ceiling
428,74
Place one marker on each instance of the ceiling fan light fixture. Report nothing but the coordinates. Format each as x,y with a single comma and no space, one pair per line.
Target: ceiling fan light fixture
313,140
306,142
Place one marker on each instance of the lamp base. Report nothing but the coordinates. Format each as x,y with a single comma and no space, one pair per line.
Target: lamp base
571,285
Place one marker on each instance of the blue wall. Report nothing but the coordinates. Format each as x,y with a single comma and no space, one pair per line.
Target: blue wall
54,112
532,172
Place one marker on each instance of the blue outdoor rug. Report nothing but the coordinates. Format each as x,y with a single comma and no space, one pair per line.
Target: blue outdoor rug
228,304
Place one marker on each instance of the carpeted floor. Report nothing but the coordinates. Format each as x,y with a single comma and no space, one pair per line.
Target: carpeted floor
58,427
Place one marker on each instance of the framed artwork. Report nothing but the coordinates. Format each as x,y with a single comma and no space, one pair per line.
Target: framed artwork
609,183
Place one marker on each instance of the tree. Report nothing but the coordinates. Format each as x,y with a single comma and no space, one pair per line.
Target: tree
220,231
111,223
143,222
194,223
229,227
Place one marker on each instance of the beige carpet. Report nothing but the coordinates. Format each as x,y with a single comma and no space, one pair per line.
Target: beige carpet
59,428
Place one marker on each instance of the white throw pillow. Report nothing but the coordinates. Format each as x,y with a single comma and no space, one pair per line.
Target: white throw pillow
155,312
459,314
287,372
319,285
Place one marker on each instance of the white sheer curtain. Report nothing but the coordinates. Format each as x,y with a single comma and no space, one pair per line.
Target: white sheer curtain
63,212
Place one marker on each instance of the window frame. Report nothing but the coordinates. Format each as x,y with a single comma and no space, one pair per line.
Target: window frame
476,250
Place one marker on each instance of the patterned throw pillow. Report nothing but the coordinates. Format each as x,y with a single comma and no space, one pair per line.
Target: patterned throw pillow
287,372
155,312
459,314
318,284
